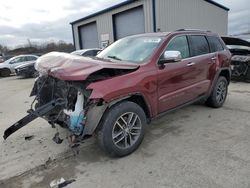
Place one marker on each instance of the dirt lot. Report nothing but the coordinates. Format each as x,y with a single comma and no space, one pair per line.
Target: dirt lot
193,147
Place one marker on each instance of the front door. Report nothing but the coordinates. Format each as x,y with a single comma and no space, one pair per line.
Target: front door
177,80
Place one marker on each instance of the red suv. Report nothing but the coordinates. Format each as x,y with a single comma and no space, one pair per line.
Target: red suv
133,81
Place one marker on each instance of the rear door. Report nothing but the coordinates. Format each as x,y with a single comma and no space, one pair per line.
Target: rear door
219,54
202,60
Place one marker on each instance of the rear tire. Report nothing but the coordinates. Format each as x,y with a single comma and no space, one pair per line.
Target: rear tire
122,129
219,93
5,72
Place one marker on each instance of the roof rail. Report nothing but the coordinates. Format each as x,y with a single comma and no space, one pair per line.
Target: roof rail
192,30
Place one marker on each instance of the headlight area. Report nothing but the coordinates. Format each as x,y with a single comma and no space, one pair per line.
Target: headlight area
79,114
63,103
72,114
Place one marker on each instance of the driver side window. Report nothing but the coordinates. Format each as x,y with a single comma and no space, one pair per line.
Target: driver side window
18,60
180,44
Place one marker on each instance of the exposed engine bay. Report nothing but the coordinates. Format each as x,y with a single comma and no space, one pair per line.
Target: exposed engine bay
67,102
61,103
240,62
73,95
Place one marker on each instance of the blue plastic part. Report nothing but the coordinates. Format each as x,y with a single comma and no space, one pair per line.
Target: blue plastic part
77,124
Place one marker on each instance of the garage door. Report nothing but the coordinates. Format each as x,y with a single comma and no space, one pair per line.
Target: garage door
88,36
129,22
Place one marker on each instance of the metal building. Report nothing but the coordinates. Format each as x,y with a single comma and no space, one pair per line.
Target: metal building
139,16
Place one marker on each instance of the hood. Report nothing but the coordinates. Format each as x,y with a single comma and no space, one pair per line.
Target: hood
235,41
32,63
71,67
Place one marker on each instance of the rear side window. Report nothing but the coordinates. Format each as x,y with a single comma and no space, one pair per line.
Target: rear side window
179,44
88,53
96,52
199,45
31,58
215,44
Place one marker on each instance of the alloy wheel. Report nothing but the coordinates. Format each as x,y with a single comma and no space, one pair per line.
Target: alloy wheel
126,130
221,92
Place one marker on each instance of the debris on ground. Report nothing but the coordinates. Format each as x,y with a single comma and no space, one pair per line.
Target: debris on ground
48,161
28,138
60,183
74,144
57,139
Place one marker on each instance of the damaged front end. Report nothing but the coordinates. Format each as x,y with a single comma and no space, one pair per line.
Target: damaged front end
61,93
240,62
241,67
64,103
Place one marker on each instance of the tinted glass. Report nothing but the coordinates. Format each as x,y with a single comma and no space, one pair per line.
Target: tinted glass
88,53
179,44
31,58
199,45
95,52
215,44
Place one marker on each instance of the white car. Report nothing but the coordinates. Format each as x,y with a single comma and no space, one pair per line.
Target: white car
8,67
87,52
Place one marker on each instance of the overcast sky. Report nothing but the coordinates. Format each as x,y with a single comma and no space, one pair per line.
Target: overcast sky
45,20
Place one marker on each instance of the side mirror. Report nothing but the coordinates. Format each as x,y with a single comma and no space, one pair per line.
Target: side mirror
170,57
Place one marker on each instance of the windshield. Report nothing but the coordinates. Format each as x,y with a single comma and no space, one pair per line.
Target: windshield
132,49
9,60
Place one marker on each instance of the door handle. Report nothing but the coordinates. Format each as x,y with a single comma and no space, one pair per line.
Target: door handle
190,64
214,58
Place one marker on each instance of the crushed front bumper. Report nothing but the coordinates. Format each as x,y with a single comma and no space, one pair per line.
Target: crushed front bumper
63,103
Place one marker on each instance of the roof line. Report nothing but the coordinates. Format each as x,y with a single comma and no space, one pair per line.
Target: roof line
217,4
131,1
104,11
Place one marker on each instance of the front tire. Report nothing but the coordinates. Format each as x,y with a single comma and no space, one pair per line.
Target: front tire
122,129
219,93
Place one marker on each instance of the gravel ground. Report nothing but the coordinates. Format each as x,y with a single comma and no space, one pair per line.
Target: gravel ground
195,146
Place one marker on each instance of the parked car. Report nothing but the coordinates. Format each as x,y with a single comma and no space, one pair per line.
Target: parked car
240,64
133,81
27,70
1,59
87,52
8,67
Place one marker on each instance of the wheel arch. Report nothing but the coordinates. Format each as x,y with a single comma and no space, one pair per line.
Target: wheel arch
137,98
5,69
226,73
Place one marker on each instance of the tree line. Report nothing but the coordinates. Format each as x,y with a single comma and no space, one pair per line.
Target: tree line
37,49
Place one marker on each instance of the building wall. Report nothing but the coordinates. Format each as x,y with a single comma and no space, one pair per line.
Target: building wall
105,25
170,15
192,14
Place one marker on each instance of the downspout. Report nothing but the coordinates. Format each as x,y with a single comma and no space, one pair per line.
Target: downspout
154,15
